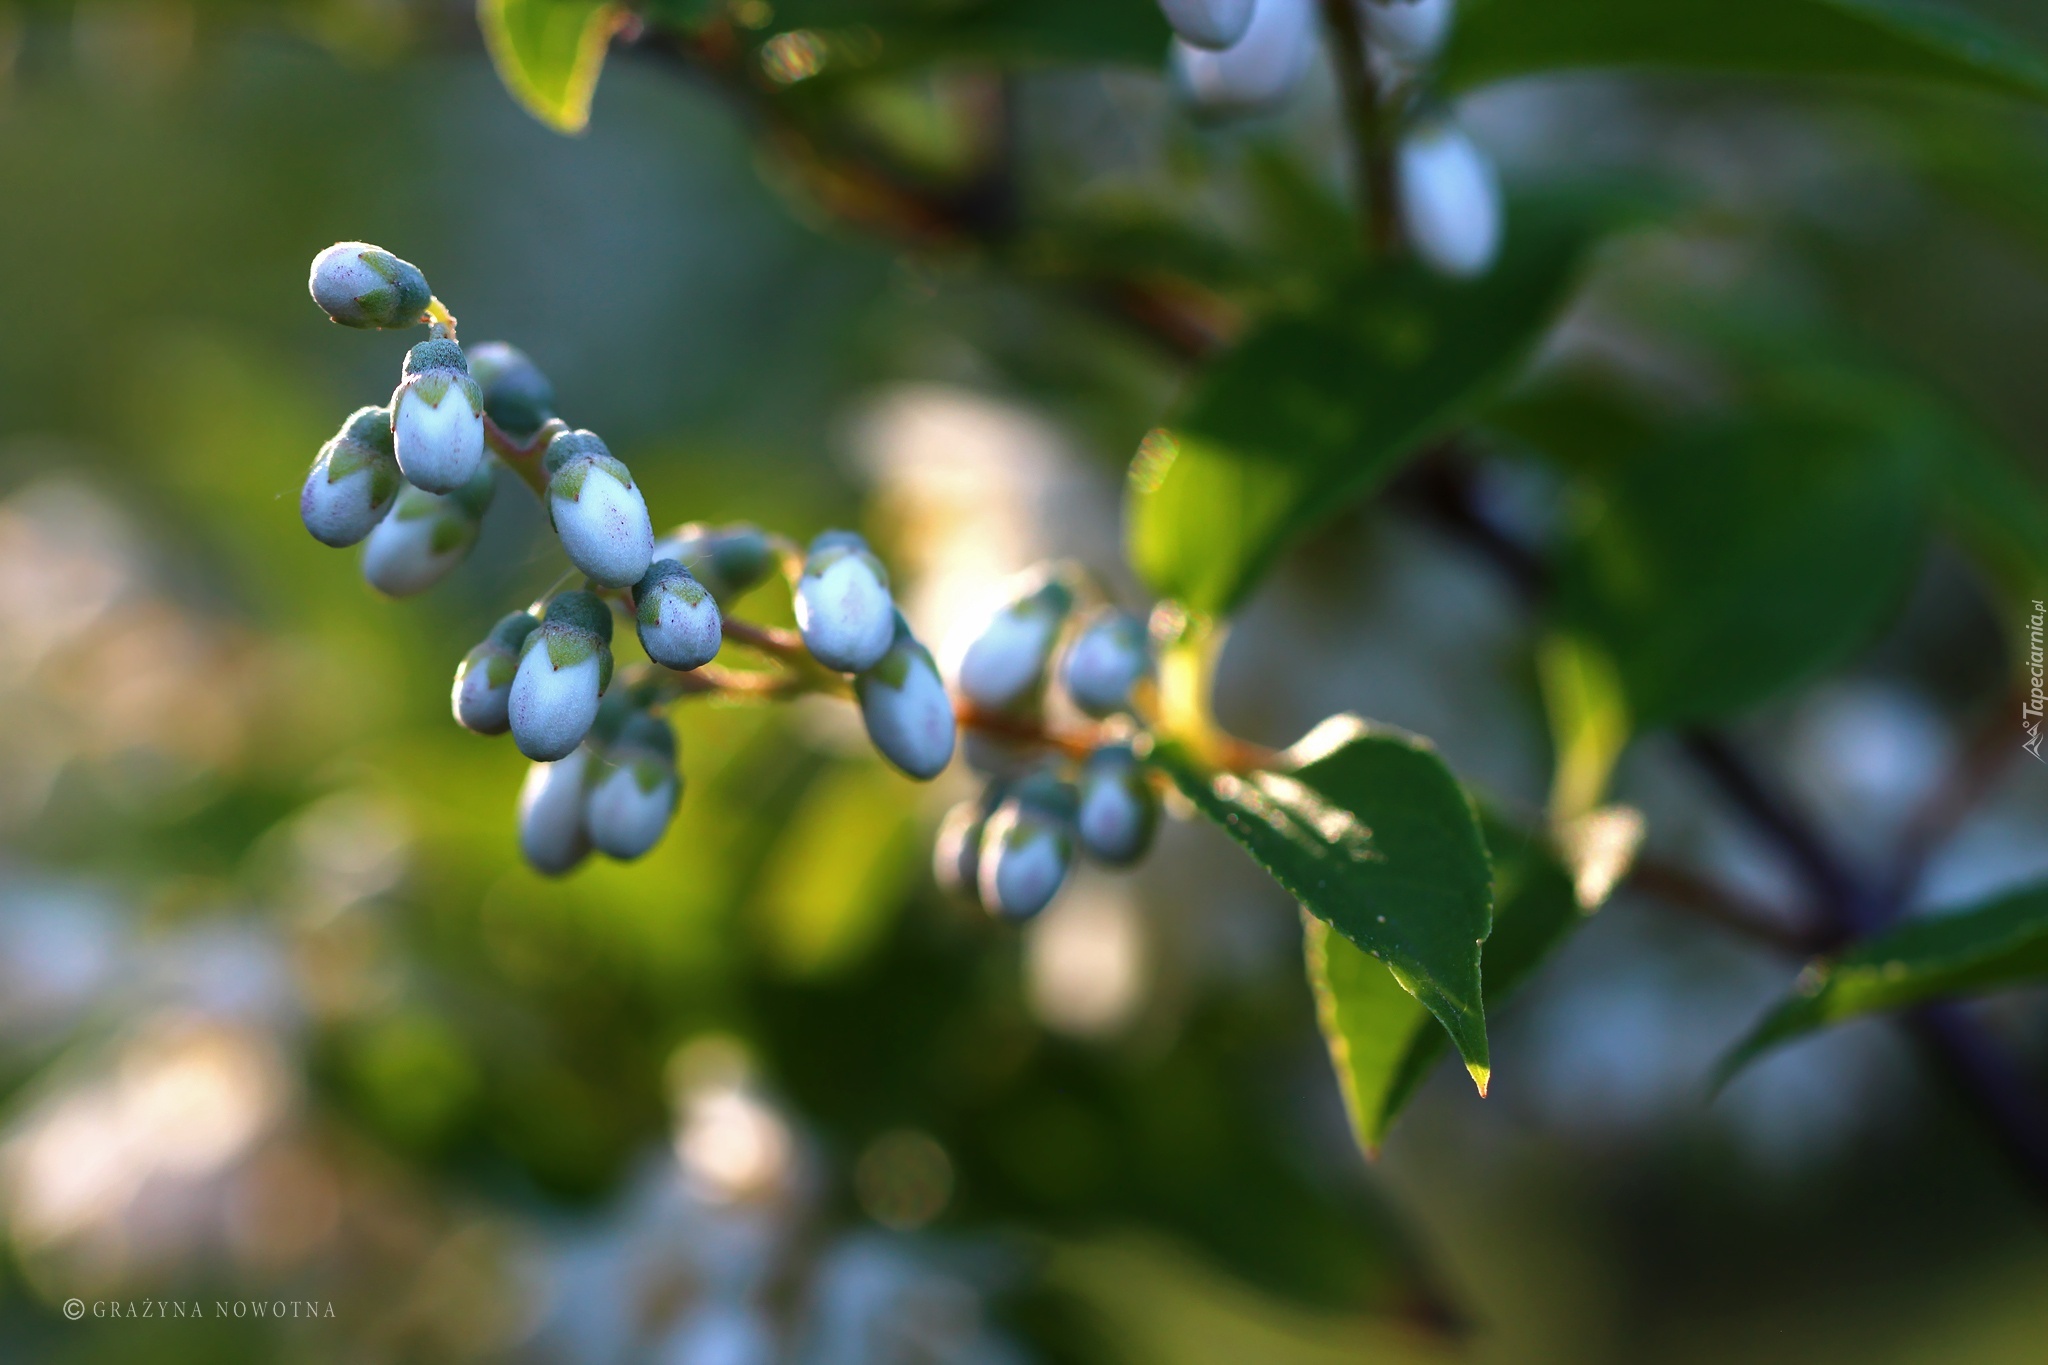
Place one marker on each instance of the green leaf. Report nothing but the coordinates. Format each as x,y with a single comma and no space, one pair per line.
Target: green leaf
1367,828
1742,557
1884,40
549,53
1317,406
1970,952
866,35
1380,1037
1998,511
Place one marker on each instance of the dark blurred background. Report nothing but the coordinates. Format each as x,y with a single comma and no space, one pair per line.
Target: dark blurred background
283,1018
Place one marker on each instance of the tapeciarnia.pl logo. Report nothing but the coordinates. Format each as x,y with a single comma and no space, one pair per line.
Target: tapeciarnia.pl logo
2030,710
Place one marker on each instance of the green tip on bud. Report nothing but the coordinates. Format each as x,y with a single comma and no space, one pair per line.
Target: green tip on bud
649,733
612,714
475,496
511,631
517,395
741,554
359,285
438,354
567,445
826,542
585,610
369,426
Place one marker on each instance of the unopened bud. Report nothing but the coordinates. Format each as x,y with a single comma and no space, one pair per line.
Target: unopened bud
483,681
353,480
564,667
425,536
1025,850
730,561
1257,71
517,395
1450,201
551,833
597,510
1119,811
359,285
1208,23
843,605
678,620
437,418
906,709
1003,667
634,788
1105,661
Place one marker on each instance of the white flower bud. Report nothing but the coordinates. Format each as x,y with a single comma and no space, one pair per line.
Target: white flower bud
564,667
353,480
425,536
359,285
1119,811
1257,71
1025,854
1208,23
598,511
677,617
551,833
1407,31
1003,666
906,709
483,681
634,789
1105,661
1450,201
437,418
843,605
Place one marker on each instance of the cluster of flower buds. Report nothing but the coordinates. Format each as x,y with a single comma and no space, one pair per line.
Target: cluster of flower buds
412,480
1244,56
614,791
1038,652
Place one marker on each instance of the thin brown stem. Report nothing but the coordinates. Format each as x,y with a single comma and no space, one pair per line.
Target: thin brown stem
1683,889
1028,730
1371,134
774,641
1976,770
523,457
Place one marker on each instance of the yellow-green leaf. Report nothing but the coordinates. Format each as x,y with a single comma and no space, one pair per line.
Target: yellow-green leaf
1381,1041
549,53
1369,831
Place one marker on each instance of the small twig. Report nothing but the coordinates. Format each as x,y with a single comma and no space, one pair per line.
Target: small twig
857,187
1986,1080
1976,771
1685,889
774,641
1439,485
1850,909
523,457
1371,143
1028,730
